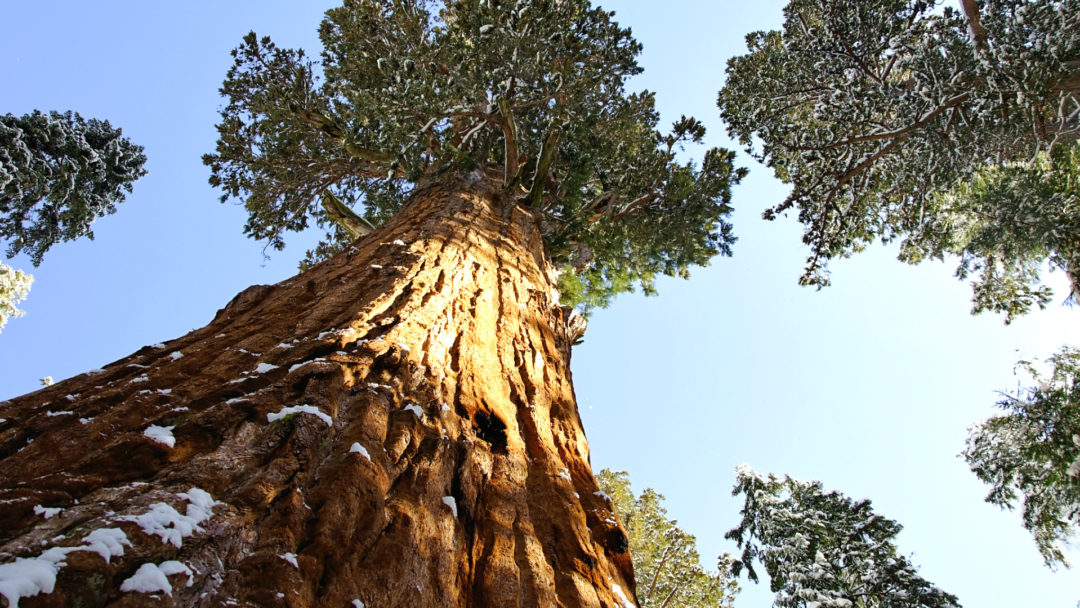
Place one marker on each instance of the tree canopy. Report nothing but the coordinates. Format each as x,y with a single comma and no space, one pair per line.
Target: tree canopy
666,562
1031,453
822,549
14,285
58,174
532,91
953,132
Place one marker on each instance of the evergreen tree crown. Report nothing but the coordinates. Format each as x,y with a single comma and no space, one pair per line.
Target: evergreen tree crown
530,90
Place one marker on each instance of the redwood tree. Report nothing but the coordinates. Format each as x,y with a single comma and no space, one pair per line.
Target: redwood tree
395,426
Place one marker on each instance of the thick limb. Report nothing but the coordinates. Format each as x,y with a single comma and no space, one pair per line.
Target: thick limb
338,211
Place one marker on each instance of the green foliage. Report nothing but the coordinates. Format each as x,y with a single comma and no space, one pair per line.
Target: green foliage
1032,452
891,124
59,173
666,562
406,91
822,549
14,285
1004,223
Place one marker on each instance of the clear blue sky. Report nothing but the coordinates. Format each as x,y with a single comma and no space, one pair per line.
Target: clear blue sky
868,385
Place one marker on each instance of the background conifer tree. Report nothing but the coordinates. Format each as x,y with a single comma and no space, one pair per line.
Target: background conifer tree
59,173
666,562
822,549
949,131
1031,453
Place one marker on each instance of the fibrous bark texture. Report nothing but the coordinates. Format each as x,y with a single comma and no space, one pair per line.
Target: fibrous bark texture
394,427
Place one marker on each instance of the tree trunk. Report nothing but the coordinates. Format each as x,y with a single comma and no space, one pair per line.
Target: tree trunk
436,459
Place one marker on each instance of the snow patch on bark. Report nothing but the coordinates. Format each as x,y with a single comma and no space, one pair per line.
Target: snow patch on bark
46,512
620,597
154,578
303,363
161,434
359,449
29,576
450,502
106,542
301,409
164,521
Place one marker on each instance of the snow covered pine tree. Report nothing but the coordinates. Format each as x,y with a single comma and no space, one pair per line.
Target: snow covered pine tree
823,549
396,426
58,173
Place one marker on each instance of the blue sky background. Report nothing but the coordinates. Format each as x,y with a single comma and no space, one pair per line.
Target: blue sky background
868,385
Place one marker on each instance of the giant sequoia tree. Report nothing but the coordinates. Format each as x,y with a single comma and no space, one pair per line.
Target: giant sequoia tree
395,426
953,131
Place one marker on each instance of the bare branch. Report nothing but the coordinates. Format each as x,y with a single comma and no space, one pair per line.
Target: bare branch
635,204
898,133
509,127
543,166
328,127
978,32
338,211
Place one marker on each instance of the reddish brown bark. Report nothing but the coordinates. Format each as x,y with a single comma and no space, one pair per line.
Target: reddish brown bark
436,349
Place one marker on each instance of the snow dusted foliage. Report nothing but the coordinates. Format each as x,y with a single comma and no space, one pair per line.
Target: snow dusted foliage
822,549
59,173
14,285
406,91
1031,453
891,120
666,562
1004,223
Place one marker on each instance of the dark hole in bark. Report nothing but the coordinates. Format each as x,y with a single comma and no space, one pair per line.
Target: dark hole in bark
617,541
492,430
